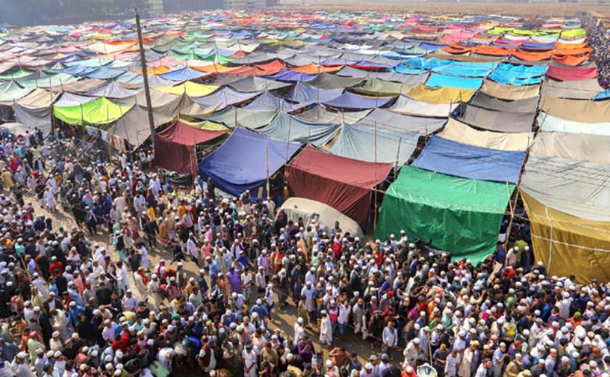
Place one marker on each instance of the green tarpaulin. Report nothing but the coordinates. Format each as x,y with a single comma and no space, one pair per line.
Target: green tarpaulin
98,112
459,215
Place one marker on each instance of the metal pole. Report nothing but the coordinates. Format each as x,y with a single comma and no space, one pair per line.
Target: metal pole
151,121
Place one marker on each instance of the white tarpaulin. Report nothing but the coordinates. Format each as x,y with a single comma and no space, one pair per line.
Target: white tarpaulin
579,147
550,123
305,208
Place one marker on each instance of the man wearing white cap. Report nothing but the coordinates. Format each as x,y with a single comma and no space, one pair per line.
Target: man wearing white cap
299,330
411,352
326,329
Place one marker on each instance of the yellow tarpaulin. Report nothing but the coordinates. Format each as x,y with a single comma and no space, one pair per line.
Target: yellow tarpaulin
190,88
440,95
569,245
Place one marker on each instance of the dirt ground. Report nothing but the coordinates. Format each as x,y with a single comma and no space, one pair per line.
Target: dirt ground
282,318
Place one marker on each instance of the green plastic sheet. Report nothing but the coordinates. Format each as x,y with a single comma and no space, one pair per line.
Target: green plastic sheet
462,216
96,113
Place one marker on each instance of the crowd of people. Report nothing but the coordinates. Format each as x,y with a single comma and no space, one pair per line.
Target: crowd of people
598,37
73,305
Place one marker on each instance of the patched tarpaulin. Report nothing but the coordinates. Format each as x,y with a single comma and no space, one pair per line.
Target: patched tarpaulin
342,183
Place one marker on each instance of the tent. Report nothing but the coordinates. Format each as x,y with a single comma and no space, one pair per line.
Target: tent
437,80
339,182
350,101
97,112
467,161
301,208
578,147
388,146
459,215
133,128
410,106
245,161
525,105
463,133
550,123
288,128
499,121
304,94
509,92
568,245
383,120
223,98
175,146
575,110
441,95
35,110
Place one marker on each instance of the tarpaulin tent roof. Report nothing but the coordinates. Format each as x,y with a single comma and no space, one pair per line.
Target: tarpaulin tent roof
235,175
174,146
578,147
134,128
133,80
342,183
377,87
525,105
189,88
493,120
358,143
319,114
97,112
582,89
233,117
352,101
305,94
385,76
35,110
575,110
330,81
291,76
571,74
443,95
11,91
113,90
269,102
568,245
550,123
463,133
288,128
509,92
385,120
184,74
302,209
577,188
257,84
466,69
223,98
439,207
410,106
437,80
467,161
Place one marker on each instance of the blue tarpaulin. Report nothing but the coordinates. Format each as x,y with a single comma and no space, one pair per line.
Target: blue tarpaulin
243,161
602,95
466,161
425,63
465,69
291,76
184,74
439,81
353,101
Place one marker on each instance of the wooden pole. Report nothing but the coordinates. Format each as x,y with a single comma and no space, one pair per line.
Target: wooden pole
375,176
267,167
151,120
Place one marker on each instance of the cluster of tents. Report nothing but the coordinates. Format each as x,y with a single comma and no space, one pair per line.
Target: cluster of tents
454,112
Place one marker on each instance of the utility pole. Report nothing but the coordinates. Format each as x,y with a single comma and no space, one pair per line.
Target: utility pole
151,121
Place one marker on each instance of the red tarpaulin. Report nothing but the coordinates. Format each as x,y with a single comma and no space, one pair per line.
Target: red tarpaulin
175,146
571,74
339,182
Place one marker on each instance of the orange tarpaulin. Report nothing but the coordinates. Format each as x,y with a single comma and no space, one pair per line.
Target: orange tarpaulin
313,69
270,68
571,60
456,48
490,50
159,70
532,56
572,51
218,68
569,46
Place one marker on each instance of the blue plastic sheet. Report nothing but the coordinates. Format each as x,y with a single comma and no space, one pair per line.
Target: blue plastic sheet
439,81
291,76
184,74
243,161
466,161
354,102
